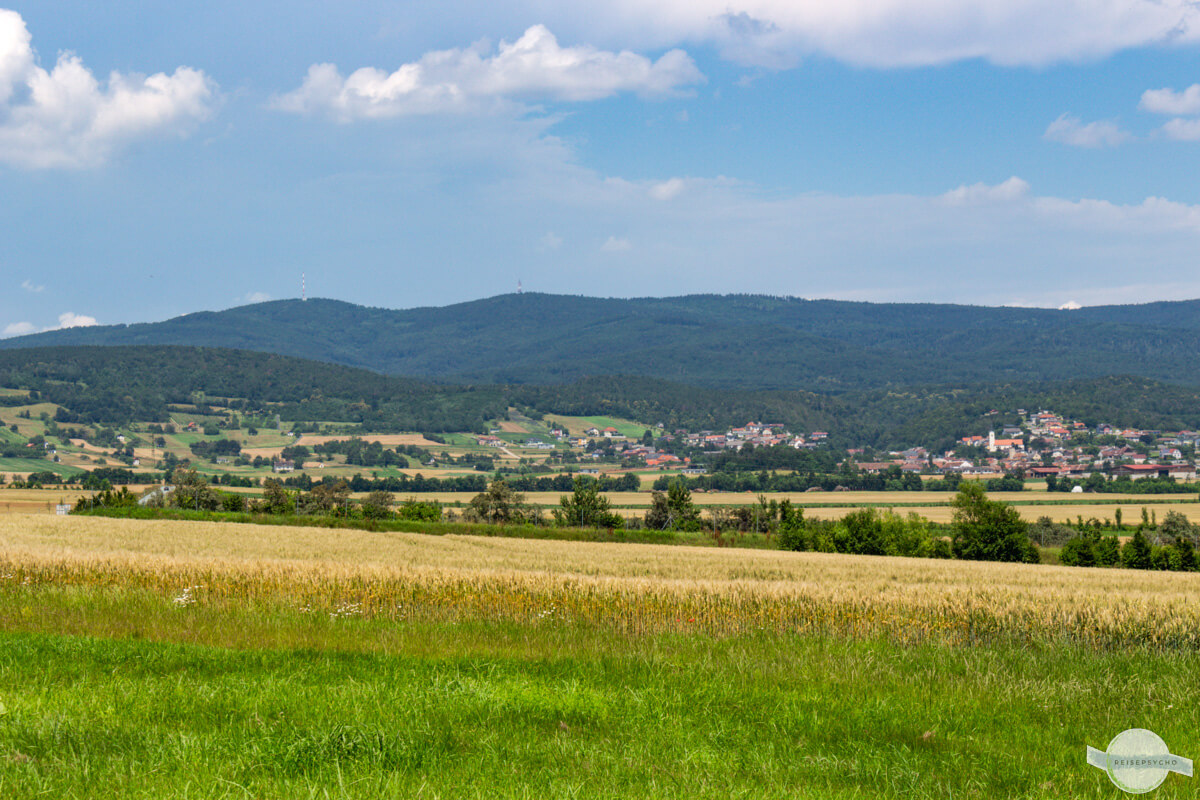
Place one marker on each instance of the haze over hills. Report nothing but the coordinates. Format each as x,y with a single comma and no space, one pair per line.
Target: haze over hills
743,341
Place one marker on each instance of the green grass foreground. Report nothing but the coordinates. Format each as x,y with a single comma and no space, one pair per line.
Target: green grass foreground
112,693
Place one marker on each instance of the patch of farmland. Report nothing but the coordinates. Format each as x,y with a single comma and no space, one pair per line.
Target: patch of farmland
385,439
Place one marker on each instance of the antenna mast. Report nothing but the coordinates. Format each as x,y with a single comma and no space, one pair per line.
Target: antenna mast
303,290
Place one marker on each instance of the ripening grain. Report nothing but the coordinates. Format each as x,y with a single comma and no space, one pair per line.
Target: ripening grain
628,588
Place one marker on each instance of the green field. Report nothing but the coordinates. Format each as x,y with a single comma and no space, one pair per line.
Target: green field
198,660
37,465
577,425
298,706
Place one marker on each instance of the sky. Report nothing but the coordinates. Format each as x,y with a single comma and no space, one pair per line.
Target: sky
162,158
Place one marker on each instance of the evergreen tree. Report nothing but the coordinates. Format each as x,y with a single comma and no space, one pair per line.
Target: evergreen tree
1136,552
585,507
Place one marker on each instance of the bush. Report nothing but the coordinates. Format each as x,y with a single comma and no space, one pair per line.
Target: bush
1108,551
420,510
987,530
377,505
232,502
1136,552
1078,552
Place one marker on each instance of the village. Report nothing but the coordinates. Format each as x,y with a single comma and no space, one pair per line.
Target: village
1043,445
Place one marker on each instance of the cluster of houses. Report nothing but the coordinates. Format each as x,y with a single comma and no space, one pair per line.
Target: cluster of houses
758,434
1043,447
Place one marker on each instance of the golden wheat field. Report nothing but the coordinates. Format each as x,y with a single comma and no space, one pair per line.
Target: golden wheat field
626,587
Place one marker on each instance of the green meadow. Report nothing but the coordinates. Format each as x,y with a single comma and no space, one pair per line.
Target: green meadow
304,707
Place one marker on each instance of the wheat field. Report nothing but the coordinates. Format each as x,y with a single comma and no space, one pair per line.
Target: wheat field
627,587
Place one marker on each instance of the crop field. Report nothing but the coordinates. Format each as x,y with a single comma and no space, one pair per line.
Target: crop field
627,587
27,465
176,659
577,425
385,439
935,507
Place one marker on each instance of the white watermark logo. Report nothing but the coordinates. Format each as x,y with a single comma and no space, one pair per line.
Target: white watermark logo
1138,760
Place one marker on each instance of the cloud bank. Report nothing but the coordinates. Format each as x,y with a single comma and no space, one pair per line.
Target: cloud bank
891,33
535,67
66,118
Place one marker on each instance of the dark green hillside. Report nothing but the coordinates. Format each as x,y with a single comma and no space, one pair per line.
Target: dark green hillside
739,341
115,385
121,384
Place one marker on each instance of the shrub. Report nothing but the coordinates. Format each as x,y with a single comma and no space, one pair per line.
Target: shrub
1078,552
1136,552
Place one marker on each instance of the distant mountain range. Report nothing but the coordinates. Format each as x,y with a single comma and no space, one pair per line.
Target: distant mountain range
738,341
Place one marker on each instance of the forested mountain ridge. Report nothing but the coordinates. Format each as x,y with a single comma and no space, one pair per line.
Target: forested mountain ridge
745,341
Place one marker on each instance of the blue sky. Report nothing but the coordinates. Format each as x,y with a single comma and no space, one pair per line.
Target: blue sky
162,158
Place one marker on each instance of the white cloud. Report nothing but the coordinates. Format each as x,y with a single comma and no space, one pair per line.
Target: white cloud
982,243
1070,305
70,319
535,67
981,193
30,286
1183,130
668,189
66,118
887,33
1068,129
1169,101
67,319
255,297
551,241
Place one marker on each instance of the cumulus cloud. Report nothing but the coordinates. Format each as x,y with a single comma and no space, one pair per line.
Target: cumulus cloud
551,241
1070,305
1068,129
70,319
535,67
255,297
889,33
1169,101
65,117
615,245
1183,130
30,286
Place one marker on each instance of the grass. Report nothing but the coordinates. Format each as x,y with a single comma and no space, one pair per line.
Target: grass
177,659
26,465
577,425
528,712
